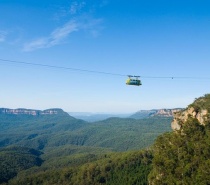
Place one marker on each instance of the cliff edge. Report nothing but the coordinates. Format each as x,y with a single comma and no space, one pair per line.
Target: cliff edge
22,111
199,109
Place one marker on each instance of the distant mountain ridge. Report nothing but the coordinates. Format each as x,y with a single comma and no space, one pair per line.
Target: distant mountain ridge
93,117
23,111
155,113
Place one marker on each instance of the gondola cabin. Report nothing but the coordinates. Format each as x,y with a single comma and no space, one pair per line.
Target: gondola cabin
133,81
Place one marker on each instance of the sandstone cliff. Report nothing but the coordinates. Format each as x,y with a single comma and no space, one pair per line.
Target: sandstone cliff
30,111
166,112
155,113
199,110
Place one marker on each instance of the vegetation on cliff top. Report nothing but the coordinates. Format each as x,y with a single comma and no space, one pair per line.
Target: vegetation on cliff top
182,157
201,103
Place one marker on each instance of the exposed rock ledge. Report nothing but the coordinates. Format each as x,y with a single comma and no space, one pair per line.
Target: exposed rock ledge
182,116
30,111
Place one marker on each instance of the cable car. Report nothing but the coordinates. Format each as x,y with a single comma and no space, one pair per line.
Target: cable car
133,81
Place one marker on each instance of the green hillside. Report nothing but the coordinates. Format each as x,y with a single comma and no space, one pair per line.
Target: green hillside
35,131
66,142
15,159
183,156
122,134
118,168
91,153
117,134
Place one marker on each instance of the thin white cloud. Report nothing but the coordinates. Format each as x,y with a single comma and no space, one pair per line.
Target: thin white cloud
76,7
91,25
79,21
61,33
55,38
36,44
3,35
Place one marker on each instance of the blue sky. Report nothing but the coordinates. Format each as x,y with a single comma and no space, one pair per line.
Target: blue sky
144,37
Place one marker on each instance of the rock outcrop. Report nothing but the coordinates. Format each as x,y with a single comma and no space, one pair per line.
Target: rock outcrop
198,110
166,112
155,113
30,111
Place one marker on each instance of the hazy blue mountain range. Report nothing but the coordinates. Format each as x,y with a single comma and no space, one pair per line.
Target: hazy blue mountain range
39,131
93,117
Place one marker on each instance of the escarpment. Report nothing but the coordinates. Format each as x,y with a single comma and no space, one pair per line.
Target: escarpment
199,109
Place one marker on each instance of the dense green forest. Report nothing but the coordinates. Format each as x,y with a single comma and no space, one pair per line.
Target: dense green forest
66,142
117,168
16,159
48,131
183,157
106,152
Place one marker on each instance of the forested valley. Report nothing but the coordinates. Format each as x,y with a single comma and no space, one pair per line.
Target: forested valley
59,149
60,145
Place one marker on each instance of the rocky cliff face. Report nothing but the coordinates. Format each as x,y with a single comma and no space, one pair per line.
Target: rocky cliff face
166,112
30,111
155,113
199,110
